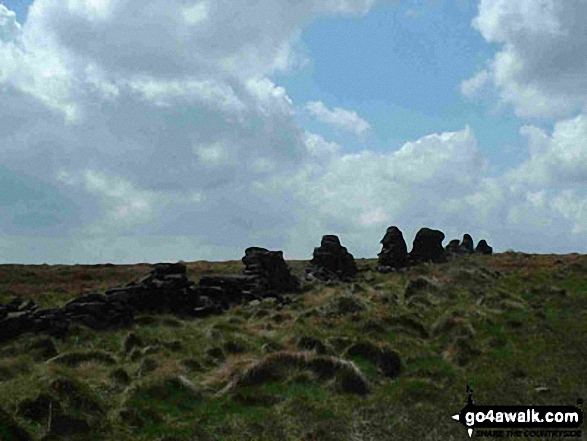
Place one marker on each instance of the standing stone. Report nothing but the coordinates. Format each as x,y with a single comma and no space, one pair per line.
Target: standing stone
394,253
483,248
428,247
331,261
467,246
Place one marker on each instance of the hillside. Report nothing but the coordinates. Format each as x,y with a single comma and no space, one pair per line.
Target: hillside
511,325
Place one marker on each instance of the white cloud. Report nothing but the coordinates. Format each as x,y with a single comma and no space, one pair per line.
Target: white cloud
140,131
556,160
344,119
541,68
212,154
9,28
196,13
472,86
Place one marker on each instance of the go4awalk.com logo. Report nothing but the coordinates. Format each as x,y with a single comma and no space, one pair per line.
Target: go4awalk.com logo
528,421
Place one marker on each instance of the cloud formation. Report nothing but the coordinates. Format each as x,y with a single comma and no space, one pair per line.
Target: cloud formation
135,132
541,68
344,119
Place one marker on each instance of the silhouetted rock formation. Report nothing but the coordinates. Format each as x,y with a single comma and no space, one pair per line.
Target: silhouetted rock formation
331,261
467,246
483,248
428,247
394,253
452,249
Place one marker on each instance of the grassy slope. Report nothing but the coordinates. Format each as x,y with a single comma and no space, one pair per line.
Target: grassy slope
527,336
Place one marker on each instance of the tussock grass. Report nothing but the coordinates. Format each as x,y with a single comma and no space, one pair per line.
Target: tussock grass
506,324
73,359
280,365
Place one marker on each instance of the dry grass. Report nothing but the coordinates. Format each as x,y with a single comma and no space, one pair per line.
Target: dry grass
280,365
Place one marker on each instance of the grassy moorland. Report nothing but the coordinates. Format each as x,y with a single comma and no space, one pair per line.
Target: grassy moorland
512,325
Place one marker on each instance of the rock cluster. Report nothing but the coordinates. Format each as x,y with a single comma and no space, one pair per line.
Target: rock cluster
331,261
394,253
467,247
269,271
483,248
167,289
428,247
266,274
94,310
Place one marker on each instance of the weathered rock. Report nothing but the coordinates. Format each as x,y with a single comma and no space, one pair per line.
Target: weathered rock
270,271
483,248
332,261
467,246
394,253
428,247
227,291
167,288
452,249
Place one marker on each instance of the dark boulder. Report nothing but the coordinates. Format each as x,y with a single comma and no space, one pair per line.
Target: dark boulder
394,253
270,271
483,248
428,247
332,261
467,246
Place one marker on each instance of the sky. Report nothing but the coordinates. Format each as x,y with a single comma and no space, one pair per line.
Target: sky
192,129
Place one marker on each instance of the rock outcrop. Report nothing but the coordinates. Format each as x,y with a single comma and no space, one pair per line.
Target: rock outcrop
452,249
394,253
270,272
428,247
331,261
266,274
167,289
483,248
467,246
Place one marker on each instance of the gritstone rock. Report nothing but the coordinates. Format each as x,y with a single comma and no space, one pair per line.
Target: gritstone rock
167,288
266,274
483,248
467,246
452,249
332,261
270,271
428,247
394,253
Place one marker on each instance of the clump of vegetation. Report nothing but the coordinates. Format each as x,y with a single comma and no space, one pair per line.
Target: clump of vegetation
281,365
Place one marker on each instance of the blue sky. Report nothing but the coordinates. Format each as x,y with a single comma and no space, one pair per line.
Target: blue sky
193,129
401,67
